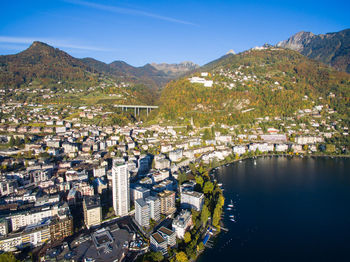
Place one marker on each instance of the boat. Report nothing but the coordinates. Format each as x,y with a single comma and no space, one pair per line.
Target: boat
232,216
233,220
231,204
228,208
220,184
254,162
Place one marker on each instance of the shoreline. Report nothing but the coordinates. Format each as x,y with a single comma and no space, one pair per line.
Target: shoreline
277,155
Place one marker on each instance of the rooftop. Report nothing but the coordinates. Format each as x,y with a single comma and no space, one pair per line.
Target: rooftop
157,237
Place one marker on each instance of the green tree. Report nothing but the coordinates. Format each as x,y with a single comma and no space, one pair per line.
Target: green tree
208,187
156,256
181,257
8,257
216,216
182,177
205,214
206,135
12,142
17,141
200,246
221,201
199,181
187,237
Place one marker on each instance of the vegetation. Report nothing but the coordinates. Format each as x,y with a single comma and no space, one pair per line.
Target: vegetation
278,84
8,257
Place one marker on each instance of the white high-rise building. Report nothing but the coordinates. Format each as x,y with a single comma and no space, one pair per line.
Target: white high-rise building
154,207
121,188
142,214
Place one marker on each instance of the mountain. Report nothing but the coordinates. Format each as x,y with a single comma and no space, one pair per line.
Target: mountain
176,70
45,63
146,74
43,69
332,48
260,82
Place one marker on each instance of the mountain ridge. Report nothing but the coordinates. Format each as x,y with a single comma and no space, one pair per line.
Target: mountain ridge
332,48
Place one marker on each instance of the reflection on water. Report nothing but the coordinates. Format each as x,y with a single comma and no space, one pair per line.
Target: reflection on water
285,210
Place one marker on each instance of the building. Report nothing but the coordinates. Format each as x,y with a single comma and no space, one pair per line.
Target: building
200,80
303,140
167,202
168,235
92,211
121,188
158,243
160,175
176,155
182,223
161,163
139,192
7,186
34,216
281,147
192,200
36,235
10,242
142,212
100,171
4,230
154,207
239,150
61,228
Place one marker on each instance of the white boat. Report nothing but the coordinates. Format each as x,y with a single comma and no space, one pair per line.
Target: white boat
233,220
228,208
254,162
231,204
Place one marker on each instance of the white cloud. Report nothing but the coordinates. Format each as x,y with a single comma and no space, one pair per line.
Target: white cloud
128,11
53,42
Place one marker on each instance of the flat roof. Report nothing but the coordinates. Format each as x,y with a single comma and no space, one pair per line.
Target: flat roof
158,238
166,231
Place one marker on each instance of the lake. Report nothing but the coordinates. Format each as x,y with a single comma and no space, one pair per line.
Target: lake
286,209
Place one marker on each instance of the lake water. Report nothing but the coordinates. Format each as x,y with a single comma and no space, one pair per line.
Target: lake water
285,210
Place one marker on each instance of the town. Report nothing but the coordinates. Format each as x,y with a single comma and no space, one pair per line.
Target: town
71,190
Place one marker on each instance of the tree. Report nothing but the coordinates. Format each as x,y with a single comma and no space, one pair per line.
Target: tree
216,216
182,177
181,257
199,180
17,141
200,246
205,214
187,237
7,257
12,142
208,187
221,201
206,135
156,256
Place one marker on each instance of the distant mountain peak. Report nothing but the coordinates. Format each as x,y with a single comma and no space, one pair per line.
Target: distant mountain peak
331,48
297,41
175,70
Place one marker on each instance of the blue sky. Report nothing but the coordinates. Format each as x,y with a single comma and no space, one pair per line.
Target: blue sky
141,32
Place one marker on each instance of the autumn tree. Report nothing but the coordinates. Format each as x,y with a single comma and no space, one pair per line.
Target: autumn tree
187,237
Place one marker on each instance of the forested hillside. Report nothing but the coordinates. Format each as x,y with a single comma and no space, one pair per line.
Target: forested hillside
256,83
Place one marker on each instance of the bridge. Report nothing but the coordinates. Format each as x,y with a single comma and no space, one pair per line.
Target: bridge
136,108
